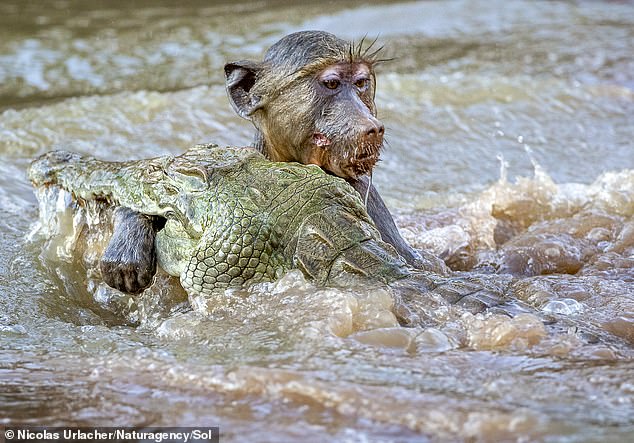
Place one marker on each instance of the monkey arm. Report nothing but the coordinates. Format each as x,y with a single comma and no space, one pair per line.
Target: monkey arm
389,232
129,261
383,219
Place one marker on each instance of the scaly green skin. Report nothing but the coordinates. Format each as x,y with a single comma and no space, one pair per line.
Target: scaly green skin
234,217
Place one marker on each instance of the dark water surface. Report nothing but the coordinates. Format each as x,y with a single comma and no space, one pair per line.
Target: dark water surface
510,151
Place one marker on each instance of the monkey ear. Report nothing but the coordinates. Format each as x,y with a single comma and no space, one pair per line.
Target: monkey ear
240,78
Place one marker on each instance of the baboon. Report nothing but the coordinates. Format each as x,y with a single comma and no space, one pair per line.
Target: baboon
311,101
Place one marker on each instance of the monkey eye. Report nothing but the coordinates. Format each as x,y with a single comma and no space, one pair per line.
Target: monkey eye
331,84
362,83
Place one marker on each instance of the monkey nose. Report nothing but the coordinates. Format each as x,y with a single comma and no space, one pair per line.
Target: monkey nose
374,130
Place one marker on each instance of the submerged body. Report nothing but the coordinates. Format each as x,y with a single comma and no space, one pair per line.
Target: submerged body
233,217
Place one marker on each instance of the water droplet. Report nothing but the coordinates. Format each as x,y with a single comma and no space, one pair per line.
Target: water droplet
565,306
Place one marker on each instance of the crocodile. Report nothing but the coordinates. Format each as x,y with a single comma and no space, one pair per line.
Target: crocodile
233,217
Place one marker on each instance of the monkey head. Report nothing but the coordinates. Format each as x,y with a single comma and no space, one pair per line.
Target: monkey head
311,101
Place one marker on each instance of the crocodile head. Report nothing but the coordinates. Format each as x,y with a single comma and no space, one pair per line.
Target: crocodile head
171,187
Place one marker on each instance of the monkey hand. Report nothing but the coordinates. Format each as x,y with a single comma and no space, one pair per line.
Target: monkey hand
129,261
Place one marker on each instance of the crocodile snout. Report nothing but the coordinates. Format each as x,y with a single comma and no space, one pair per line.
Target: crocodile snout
43,170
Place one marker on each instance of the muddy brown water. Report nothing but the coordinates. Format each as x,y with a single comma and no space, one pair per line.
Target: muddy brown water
509,129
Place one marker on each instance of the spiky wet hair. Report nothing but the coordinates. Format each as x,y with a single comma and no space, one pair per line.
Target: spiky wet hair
307,51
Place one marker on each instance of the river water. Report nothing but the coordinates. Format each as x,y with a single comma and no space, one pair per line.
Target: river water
509,151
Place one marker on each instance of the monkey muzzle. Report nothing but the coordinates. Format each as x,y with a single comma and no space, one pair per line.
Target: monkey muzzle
346,157
362,164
